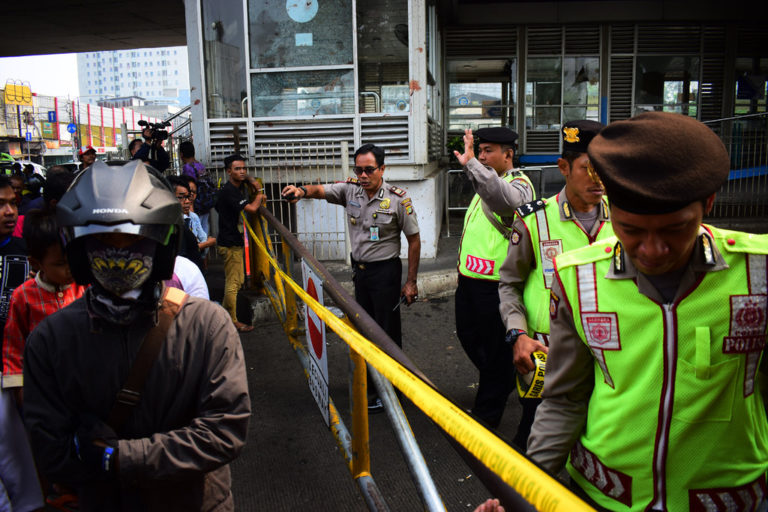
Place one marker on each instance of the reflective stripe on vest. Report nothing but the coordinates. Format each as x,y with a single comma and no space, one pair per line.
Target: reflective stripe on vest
757,286
662,409
482,248
588,304
550,236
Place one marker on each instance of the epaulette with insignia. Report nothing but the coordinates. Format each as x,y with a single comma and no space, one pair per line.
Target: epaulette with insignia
567,210
352,180
618,258
706,249
529,208
605,211
397,190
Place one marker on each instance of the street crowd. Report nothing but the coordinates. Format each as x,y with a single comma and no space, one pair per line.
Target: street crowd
632,332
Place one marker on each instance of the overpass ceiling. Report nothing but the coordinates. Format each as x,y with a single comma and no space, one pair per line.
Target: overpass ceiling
53,26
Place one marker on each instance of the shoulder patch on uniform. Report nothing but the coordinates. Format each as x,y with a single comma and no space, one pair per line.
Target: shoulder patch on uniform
600,250
397,190
529,208
406,201
351,180
736,241
554,303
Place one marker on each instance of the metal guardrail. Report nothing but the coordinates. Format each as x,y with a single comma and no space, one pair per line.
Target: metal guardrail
499,466
745,194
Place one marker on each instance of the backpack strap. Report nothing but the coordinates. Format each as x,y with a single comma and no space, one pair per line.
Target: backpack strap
130,395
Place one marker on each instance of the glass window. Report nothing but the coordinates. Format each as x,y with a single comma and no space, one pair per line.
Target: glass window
382,54
665,83
300,33
751,91
303,93
474,105
543,90
581,89
481,93
224,58
561,89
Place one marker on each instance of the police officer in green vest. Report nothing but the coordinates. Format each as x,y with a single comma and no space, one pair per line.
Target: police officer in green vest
543,229
652,398
500,190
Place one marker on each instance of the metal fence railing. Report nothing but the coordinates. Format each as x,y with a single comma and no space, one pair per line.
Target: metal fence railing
745,195
508,475
319,226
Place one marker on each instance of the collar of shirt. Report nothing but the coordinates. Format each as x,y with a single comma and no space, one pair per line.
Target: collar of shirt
48,286
514,171
696,266
378,196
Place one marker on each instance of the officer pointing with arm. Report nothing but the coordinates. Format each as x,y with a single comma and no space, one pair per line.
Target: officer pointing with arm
376,213
500,189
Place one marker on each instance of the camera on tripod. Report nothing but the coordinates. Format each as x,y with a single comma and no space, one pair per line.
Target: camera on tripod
157,130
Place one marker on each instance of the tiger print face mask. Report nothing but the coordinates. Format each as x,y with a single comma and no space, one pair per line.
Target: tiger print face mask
119,270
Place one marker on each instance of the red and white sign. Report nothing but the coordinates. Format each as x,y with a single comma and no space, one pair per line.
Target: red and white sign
480,265
611,482
602,330
315,328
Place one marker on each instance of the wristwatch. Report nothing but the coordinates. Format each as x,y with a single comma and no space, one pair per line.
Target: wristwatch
303,189
512,335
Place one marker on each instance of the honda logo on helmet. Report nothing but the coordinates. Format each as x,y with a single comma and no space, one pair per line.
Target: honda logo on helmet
98,211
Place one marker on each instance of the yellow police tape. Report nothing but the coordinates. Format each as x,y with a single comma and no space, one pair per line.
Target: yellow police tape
531,384
537,487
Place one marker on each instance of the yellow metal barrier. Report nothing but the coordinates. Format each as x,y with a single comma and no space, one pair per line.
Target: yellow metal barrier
544,492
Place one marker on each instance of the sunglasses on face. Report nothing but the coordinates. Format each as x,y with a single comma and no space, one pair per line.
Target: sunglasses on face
184,198
366,170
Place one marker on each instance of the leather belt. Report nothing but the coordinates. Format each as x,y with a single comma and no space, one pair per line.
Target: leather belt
369,265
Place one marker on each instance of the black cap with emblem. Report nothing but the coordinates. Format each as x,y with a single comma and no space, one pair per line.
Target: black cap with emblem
659,162
497,135
578,134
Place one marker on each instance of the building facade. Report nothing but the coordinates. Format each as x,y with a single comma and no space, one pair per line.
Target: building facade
278,82
158,75
50,130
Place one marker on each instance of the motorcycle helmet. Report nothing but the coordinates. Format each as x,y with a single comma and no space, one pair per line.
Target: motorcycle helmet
131,198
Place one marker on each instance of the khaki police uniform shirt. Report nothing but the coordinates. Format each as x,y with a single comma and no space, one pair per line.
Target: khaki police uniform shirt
502,197
521,260
562,415
374,224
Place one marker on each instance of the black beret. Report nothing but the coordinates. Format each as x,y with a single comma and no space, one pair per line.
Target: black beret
497,135
578,134
658,162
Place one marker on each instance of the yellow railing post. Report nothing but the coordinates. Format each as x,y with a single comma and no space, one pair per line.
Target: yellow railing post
361,455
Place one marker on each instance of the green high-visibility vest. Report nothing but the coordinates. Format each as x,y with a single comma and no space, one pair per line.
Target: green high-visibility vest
676,417
550,237
482,248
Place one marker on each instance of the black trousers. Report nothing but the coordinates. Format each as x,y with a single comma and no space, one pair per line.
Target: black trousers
377,290
481,333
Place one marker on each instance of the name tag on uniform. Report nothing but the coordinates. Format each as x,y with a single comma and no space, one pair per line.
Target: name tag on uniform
374,233
549,249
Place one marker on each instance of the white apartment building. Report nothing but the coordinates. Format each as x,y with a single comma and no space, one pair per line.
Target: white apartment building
159,75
